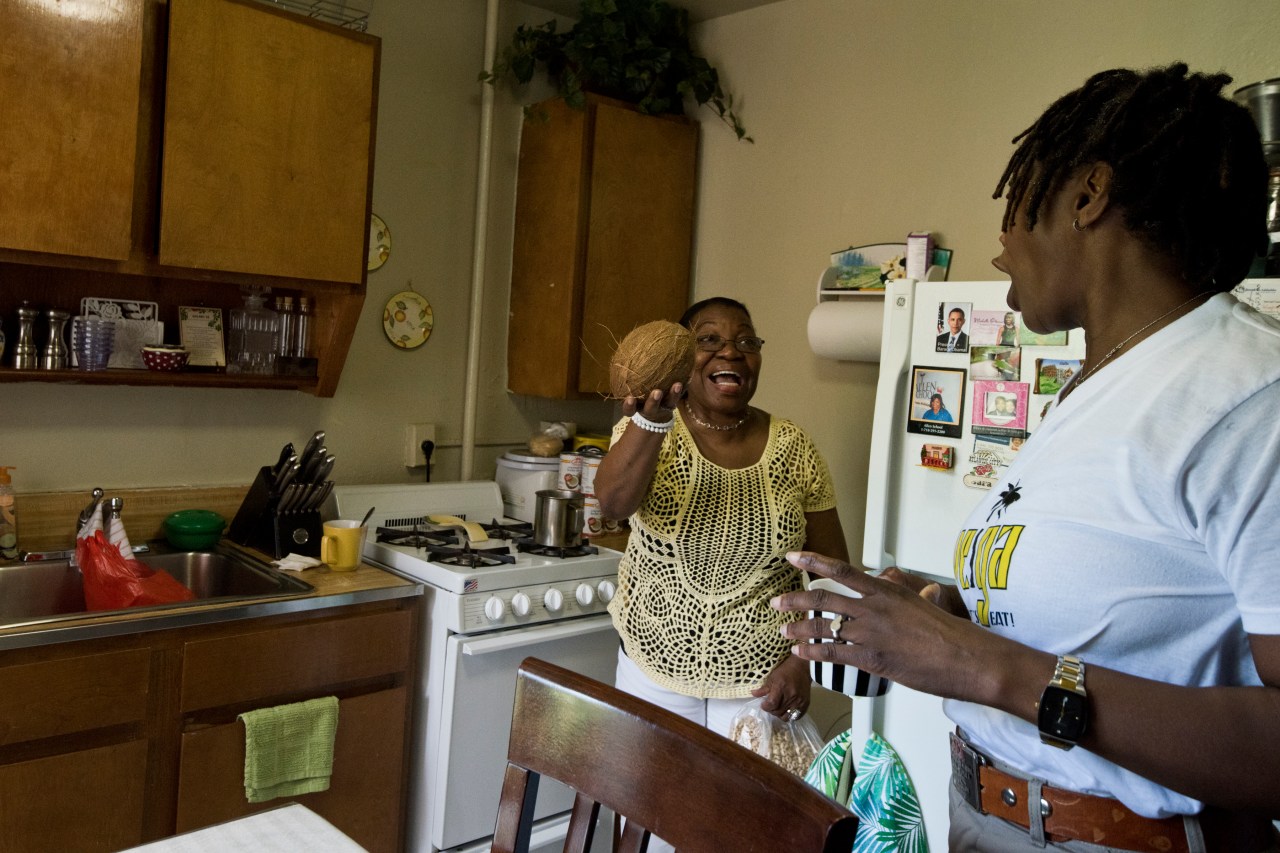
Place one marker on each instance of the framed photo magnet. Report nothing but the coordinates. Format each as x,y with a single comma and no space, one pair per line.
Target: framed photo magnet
936,404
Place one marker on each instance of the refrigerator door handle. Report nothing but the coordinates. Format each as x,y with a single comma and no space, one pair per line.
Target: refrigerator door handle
888,423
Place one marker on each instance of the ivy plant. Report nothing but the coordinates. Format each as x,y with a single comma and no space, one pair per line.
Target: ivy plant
637,51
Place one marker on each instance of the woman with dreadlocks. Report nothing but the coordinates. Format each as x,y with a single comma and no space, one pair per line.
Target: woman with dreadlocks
1111,649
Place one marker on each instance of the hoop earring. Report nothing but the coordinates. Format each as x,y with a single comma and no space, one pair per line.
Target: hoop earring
1075,224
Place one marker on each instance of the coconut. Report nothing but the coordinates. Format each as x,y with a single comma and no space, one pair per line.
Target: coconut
655,355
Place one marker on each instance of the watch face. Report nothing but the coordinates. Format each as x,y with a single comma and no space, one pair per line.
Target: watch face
1064,714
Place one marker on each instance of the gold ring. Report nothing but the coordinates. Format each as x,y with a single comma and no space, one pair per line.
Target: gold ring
835,627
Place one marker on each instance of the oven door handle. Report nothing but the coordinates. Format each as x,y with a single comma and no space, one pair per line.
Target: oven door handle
514,639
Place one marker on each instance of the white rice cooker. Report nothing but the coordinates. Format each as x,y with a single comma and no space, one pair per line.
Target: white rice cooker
520,476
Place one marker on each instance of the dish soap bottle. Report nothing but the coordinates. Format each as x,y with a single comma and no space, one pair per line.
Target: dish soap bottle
255,336
8,516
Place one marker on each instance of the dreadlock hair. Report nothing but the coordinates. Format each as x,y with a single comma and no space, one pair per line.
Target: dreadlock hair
1189,174
723,301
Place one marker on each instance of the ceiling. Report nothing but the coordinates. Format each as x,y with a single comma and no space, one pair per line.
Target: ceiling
699,10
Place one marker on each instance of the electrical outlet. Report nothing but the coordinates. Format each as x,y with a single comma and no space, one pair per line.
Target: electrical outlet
414,435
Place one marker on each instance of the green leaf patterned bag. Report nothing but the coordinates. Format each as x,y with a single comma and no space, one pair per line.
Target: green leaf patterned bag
880,794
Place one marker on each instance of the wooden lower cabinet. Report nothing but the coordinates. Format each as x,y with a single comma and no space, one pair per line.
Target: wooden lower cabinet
211,779
106,744
89,800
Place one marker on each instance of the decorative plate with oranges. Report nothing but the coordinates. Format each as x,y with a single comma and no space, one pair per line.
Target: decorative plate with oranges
408,319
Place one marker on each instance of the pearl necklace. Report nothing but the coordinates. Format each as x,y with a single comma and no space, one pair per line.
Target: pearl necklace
700,422
1115,349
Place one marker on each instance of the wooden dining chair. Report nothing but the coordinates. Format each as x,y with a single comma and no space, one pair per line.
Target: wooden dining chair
665,775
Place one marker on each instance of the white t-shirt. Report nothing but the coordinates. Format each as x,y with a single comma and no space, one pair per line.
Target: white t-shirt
1139,528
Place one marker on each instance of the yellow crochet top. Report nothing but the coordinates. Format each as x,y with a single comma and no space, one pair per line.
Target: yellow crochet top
707,552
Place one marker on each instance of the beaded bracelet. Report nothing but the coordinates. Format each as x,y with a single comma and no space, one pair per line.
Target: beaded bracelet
652,426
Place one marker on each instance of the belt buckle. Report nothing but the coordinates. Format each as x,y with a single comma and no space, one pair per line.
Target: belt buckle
966,764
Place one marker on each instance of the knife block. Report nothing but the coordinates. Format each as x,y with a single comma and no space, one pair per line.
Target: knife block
259,523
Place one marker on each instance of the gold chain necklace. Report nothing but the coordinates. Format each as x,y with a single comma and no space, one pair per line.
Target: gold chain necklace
1115,349
700,422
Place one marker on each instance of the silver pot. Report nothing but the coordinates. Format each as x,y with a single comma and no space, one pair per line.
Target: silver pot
557,520
1263,101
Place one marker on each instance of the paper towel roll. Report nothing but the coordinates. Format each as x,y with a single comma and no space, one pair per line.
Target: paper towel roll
847,331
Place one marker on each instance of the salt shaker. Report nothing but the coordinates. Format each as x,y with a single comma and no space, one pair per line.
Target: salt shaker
54,356
24,350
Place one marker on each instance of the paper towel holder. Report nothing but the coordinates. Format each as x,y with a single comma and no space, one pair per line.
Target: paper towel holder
864,317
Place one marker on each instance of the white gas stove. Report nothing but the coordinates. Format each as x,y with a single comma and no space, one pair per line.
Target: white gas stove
503,579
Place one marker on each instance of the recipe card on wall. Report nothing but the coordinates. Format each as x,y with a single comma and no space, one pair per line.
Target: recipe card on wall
201,330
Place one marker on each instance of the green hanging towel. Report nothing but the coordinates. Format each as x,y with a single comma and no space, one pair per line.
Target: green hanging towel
288,749
880,793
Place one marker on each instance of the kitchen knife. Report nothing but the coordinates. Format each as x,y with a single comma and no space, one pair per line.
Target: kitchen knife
287,476
326,488
313,444
323,469
309,469
278,468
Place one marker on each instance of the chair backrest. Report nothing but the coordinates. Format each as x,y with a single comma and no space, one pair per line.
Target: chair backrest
666,775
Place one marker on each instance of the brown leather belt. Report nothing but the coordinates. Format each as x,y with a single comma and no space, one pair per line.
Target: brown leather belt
1068,816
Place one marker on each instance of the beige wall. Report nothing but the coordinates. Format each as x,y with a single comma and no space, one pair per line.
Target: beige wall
873,119
870,118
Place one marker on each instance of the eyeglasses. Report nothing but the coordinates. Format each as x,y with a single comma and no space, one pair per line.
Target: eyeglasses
714,343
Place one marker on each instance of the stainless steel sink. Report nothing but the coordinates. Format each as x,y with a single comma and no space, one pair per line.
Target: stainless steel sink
42,592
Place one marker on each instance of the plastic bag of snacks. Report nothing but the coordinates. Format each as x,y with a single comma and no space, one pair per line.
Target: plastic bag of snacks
790,744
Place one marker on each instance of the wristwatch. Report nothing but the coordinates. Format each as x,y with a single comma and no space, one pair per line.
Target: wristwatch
1063,710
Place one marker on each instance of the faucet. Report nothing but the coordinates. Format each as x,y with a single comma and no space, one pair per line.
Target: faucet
87,512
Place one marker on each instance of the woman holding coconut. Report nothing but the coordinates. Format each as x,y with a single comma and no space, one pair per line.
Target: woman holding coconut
717,492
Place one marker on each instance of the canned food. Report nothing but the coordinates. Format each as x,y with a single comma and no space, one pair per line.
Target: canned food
590,465
592,517
571,471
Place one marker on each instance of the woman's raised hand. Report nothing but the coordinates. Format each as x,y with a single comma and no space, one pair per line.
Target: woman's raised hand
657,405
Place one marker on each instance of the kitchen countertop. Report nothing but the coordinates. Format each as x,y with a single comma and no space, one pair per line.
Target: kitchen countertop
332,589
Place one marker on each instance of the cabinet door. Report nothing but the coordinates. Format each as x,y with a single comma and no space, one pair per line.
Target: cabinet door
90,801
640,232
365,797
69,80
268,142
603,240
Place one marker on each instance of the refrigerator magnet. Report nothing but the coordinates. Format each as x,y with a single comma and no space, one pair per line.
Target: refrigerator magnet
953,325
1054,373
1000,408
940,457
994,328
995,363
936,404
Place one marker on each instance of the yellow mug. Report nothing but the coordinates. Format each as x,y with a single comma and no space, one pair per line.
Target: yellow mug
341,545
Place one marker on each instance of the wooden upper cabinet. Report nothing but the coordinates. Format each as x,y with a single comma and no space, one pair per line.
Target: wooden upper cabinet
69,82
603,240
268,142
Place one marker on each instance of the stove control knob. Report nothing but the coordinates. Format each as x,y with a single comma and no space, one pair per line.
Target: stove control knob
553,600
495,609
585,594
606,589
520,604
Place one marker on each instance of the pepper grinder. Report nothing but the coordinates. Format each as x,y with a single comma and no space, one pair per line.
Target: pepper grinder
24,350
54,356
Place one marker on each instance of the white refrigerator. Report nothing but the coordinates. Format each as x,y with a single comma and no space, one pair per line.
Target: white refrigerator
992,388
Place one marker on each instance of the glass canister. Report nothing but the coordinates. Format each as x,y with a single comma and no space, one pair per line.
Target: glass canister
254,332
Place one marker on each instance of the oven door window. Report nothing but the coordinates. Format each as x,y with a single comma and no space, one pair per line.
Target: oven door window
479,695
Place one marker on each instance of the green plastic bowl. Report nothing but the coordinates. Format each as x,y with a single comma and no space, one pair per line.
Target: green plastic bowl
194,529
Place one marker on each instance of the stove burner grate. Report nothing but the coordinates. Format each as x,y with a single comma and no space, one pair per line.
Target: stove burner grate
528,546
513,530
469,558
415,537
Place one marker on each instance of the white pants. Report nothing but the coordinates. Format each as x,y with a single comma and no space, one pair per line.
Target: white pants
715,714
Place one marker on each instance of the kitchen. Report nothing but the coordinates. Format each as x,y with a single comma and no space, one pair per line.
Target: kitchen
821,88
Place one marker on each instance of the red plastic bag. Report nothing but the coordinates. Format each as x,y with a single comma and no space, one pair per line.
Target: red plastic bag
112,582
